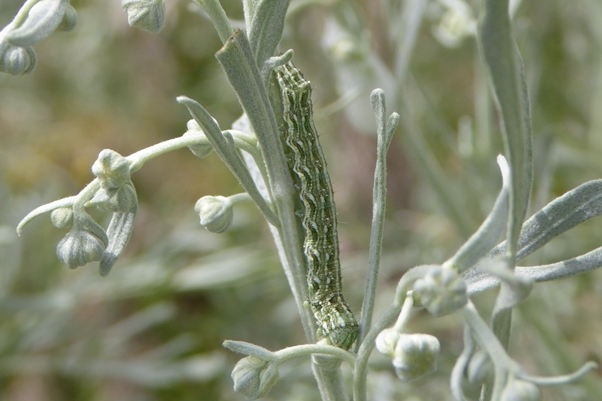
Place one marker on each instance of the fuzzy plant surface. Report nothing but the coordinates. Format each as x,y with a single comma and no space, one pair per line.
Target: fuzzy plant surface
273,150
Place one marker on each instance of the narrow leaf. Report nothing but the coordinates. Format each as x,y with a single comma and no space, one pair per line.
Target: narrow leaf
558,216
266,28
119,232
505,65
481,242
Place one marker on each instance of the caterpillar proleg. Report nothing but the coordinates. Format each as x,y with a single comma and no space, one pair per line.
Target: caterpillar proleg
307,164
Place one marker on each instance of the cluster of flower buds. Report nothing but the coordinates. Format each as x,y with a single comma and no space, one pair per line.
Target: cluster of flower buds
117,193
17,56
442,291
87,241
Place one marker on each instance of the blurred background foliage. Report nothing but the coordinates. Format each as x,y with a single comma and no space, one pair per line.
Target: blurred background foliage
153,329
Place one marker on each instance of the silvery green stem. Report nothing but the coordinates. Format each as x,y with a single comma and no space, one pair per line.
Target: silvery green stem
321,349
457,374
19,18
330,383
42,19
563,379
49,207
405,313
139,158
218,17
385,130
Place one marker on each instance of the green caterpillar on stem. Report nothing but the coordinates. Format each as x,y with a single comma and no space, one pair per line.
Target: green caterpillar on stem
307,164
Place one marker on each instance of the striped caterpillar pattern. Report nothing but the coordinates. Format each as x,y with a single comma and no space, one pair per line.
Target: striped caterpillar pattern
307,164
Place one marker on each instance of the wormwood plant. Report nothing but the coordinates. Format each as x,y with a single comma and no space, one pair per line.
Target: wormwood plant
261,161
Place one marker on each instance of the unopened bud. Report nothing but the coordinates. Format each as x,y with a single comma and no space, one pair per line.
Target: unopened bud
215,212
16,60
85,243
121,199
145,14
441,292
386,341
202,149
254,377
415,356
112,169
62,217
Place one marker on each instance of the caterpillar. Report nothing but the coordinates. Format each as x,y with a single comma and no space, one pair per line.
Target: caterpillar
307,165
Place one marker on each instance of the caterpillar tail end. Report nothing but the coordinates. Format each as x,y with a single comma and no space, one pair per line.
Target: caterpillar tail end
339,329
344,337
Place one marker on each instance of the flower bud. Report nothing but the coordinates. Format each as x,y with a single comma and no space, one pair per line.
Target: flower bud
441,292
85,243
112,169
145,14
215,212
192,125
415,356
202,149
61,217
17,60
121,199
254,377
520,390
386,341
